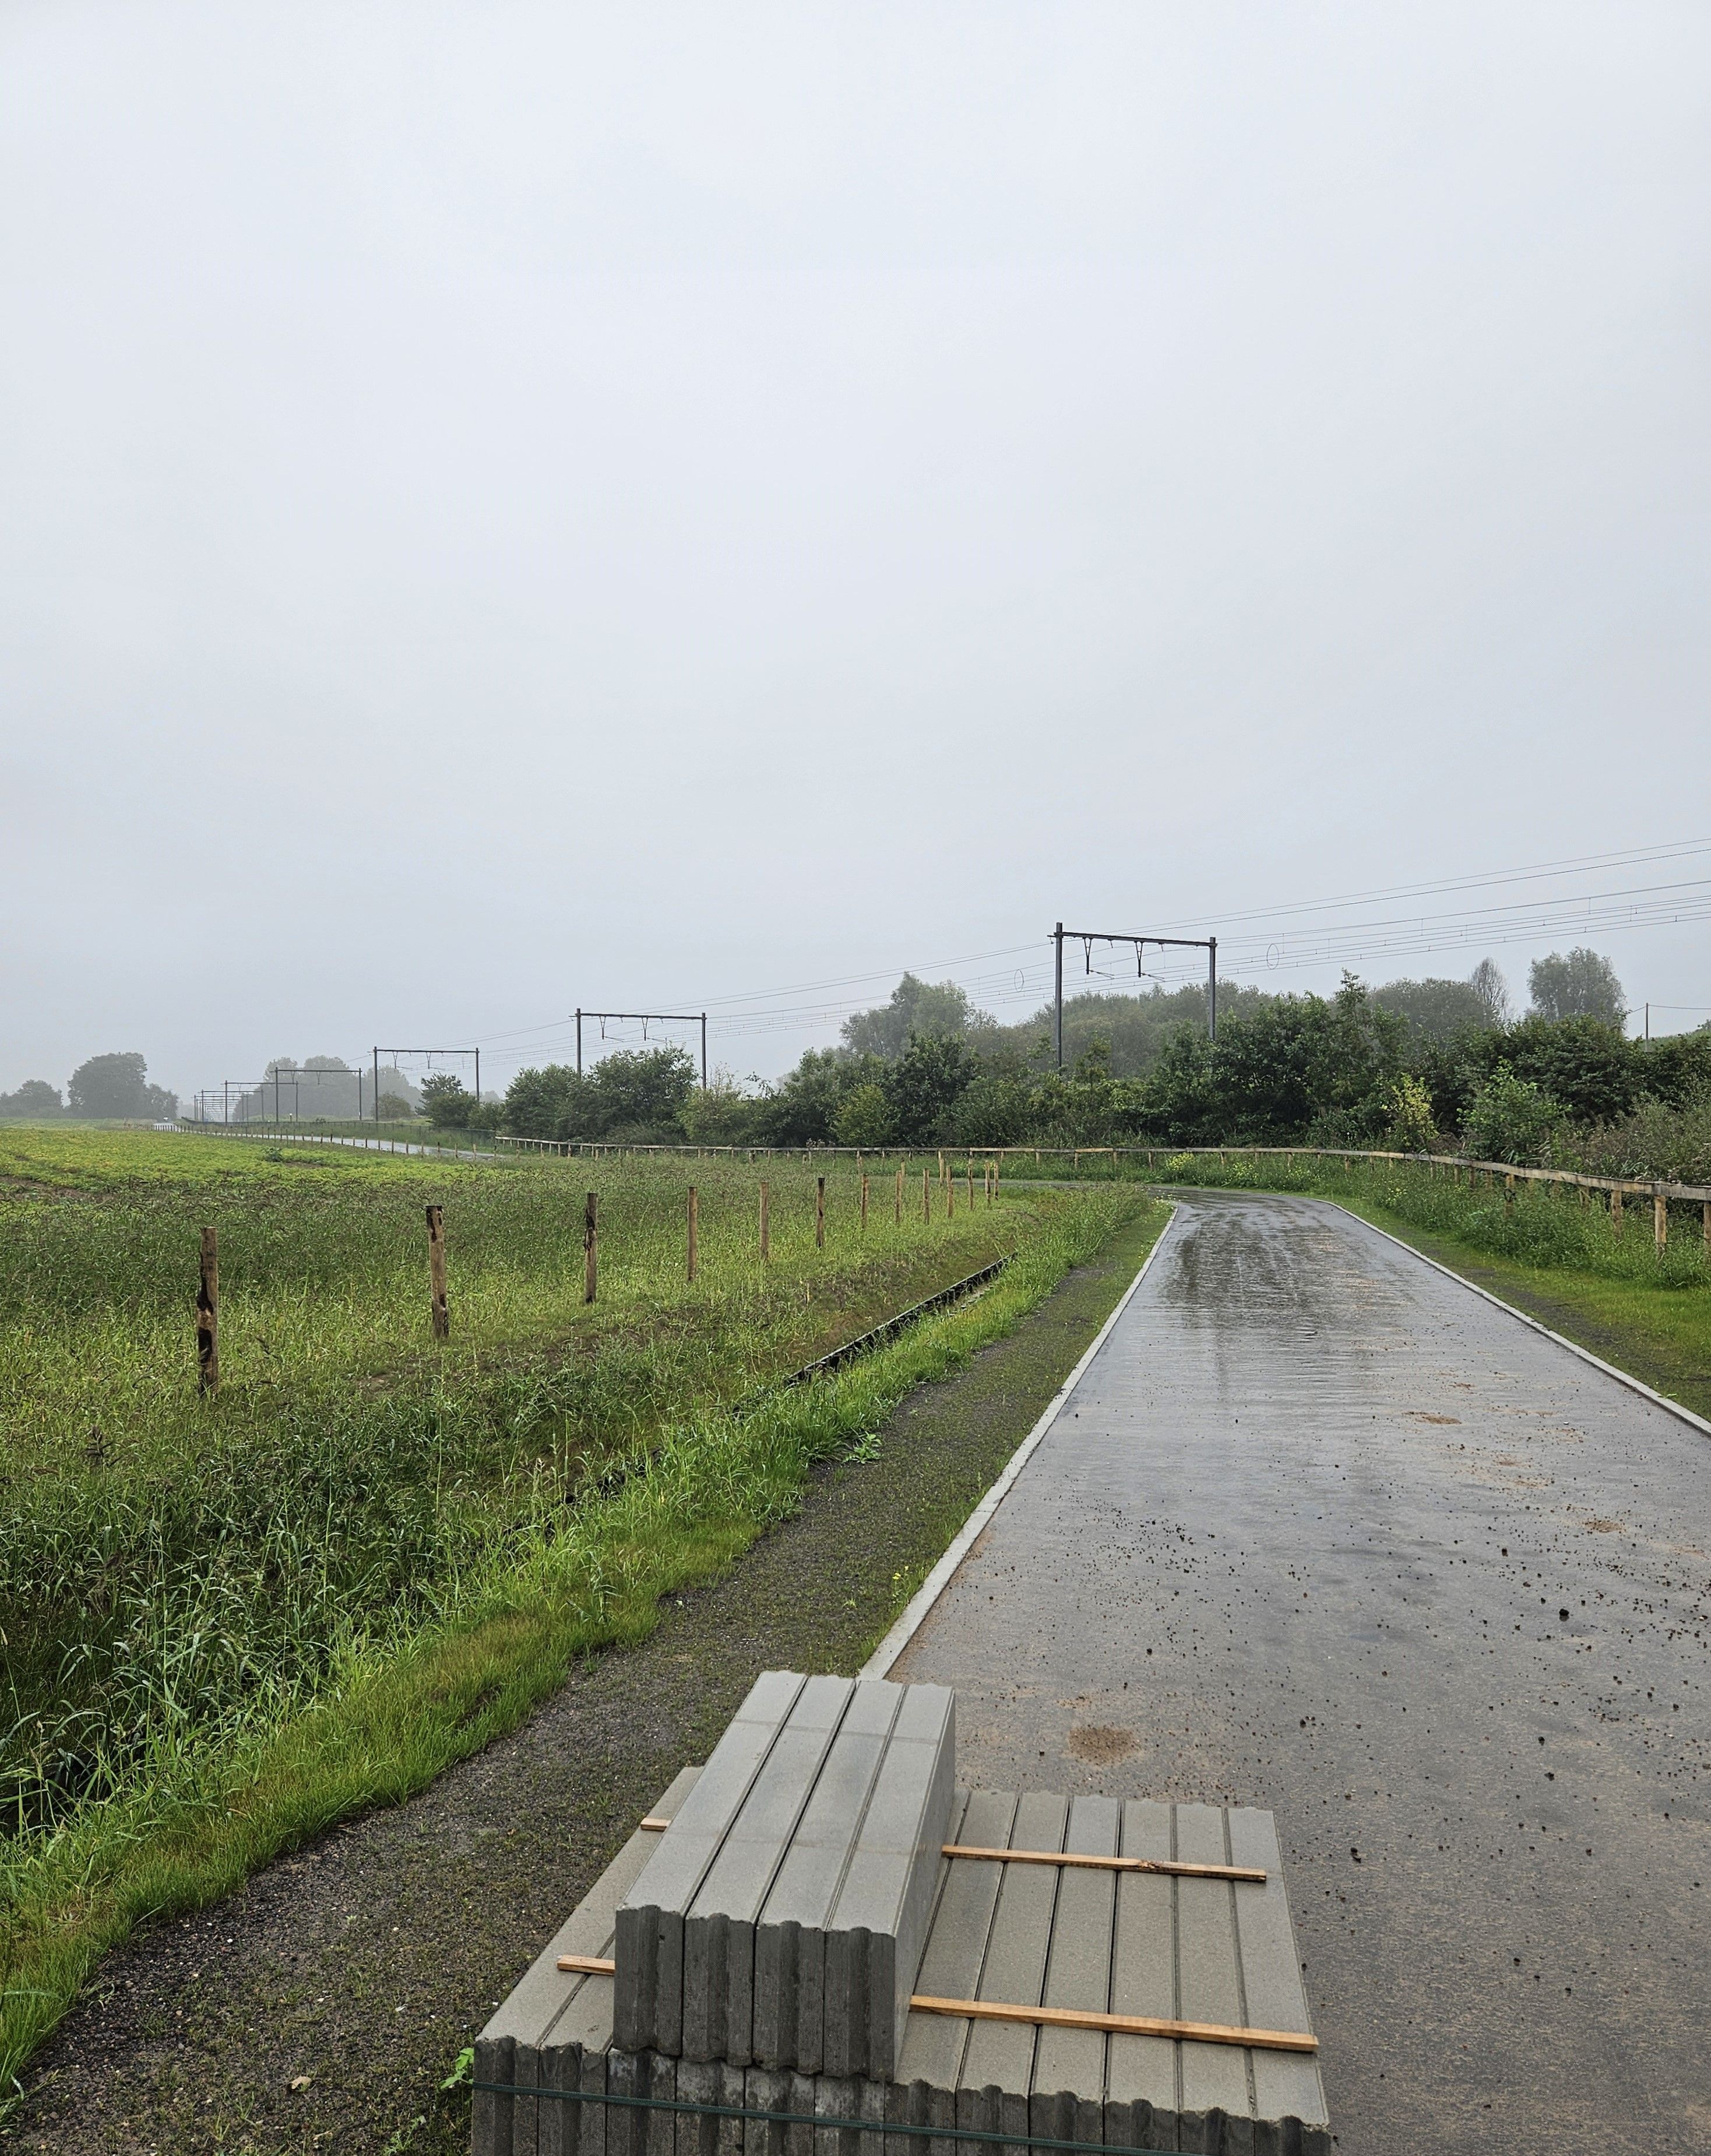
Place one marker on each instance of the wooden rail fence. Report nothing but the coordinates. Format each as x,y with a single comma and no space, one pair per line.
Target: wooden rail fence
1662,1191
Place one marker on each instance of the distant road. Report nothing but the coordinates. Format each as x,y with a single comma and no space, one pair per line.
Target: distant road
1303,1538
316,1138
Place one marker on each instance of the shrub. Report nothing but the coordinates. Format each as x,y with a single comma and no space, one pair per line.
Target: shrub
864,1117
1653,1139
1511,1118
801,1108
1412,1129
545,1103
35,1098
922,1089
998,1109
445,1103
720,1113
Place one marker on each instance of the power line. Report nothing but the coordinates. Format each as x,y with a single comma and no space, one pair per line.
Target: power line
1632,857
750,1012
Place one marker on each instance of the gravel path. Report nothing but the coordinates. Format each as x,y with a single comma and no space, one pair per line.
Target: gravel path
1322,1531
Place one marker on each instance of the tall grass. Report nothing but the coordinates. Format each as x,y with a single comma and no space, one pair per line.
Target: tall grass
191,1589
1543,1225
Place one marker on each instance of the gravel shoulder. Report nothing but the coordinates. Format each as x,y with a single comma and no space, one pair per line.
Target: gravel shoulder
323,2005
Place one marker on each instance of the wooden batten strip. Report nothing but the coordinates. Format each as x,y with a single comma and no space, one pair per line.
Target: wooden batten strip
1238,1871
1242,1873
1120,2025
1053,2017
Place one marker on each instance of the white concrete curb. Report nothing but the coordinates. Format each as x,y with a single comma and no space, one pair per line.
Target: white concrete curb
1622,1377
936,1582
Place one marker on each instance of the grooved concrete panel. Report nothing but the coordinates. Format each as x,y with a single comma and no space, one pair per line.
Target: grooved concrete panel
719,1931
878,1926
1140,2072
789,2012
651,1918
1015,1933
781,1920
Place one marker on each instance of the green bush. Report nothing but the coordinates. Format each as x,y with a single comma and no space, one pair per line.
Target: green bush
1653,1139
1511,1118
1412,1129
719,1114
864,1117
922,1089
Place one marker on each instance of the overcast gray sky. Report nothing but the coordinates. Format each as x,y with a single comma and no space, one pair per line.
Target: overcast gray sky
506,506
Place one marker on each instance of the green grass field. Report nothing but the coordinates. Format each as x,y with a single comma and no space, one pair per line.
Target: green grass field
230,1621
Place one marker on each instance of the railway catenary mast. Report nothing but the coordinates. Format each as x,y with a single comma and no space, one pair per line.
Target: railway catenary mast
1090,937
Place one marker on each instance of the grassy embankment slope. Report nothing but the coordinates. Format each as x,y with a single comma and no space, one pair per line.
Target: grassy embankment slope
229,1622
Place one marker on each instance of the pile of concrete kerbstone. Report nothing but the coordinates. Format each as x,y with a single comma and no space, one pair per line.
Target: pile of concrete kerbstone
739,1981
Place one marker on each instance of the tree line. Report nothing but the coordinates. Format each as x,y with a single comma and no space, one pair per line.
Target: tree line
114,1088
1417,1065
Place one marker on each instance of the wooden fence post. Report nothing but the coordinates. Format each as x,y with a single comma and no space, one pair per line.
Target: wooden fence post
694,1222
436,1271
765,1232
1509,1193
1708,1227
590,1246
207,1315
1660,1217
1616,1209
864,1205
820,1213
971,1182
926,1196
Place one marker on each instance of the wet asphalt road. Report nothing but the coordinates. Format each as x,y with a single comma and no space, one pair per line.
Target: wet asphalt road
1305,1537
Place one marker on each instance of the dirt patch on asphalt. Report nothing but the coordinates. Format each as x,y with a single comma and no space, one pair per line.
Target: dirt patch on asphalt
1100,1744
323,2004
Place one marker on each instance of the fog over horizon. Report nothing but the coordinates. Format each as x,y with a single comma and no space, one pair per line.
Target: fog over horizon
513,509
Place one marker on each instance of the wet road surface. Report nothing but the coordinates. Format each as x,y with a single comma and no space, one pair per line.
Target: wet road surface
1322,1531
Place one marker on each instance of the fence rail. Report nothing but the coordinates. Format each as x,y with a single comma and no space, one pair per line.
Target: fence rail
593,1148
1628,1186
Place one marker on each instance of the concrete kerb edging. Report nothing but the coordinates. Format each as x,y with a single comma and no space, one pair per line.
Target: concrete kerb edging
914,1615
1622,1377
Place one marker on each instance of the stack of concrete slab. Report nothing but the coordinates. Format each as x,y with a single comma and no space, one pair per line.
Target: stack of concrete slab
781,1920
789,2028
